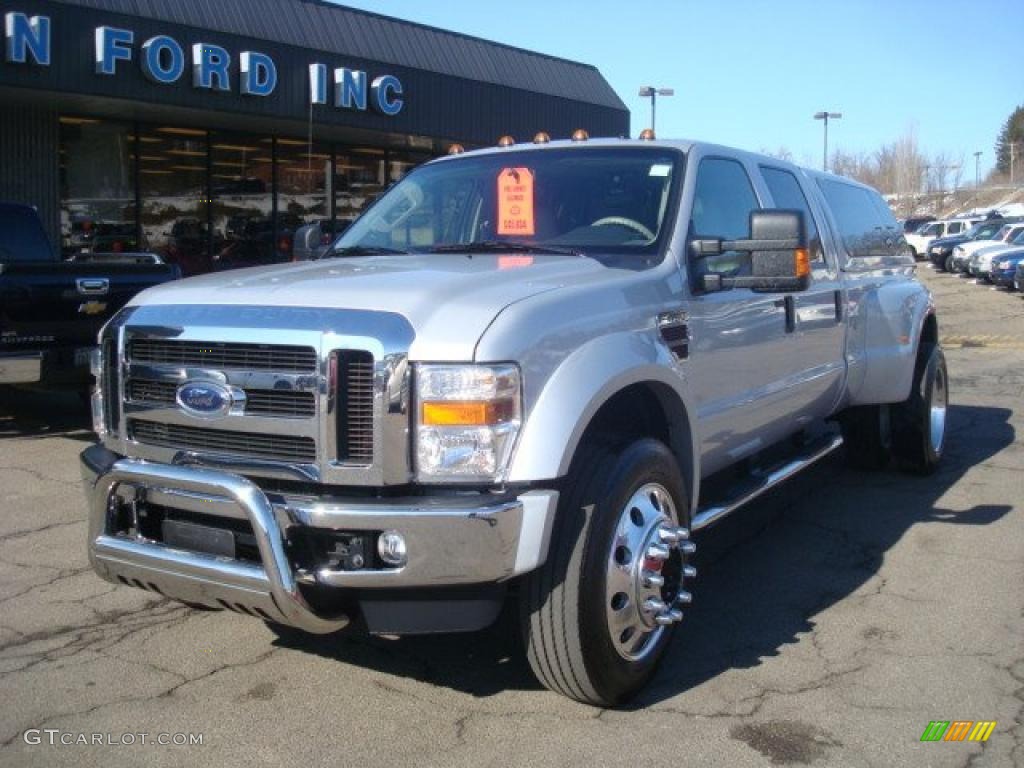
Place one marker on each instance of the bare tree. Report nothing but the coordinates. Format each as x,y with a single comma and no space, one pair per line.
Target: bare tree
782,153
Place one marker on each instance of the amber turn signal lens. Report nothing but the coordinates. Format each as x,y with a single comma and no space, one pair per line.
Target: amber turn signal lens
803,262
506,141
647,134
541,138
466,413
456,149
580,135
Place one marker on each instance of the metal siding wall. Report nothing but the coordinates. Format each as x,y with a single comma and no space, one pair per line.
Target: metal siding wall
29,157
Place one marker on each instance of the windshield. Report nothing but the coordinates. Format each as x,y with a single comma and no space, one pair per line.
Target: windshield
981,231
594,200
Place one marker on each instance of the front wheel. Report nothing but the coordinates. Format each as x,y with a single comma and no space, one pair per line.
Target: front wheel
919,422
598,616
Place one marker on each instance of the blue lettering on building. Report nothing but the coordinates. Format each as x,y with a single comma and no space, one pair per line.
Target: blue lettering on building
350,89
163,60
112,45
387,95
28,41
24,36
210,64
259,74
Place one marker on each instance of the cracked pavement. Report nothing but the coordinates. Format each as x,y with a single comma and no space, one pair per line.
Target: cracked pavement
832,621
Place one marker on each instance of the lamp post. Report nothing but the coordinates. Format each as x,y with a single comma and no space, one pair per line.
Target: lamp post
977,175
826,116
649,91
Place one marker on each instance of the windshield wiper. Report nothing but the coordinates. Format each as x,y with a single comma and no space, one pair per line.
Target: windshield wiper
497,246
365,250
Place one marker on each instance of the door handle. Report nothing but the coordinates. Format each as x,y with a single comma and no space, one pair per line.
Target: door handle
839,306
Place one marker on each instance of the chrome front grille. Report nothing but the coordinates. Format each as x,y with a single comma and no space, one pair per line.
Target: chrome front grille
286,448
220,355
279,403
274,403
308,394
355,412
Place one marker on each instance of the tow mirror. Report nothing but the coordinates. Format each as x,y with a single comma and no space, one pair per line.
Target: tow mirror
779,261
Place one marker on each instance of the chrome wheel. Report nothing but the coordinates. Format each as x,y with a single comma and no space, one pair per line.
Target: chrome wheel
937,409
645,572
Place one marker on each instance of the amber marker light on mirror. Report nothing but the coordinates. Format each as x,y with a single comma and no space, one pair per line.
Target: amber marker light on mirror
803,262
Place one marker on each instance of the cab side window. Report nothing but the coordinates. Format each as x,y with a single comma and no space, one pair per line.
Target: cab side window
860,225
786,193
722,203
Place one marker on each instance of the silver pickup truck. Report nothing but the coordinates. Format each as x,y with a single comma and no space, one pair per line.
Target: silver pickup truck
530,372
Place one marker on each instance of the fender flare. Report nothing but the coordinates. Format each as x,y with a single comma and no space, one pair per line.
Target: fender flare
584,382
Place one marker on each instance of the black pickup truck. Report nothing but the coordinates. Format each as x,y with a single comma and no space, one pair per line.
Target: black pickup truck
52,310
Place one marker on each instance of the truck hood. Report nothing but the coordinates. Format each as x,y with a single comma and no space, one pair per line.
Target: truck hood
449,299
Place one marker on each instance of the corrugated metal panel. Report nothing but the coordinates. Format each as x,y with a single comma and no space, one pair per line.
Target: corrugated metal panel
346,31
29,173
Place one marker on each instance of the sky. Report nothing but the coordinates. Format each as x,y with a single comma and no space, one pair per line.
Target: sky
752,74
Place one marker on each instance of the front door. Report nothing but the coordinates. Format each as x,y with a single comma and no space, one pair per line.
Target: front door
740,351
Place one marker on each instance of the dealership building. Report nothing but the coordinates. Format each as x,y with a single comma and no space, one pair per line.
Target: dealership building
213,130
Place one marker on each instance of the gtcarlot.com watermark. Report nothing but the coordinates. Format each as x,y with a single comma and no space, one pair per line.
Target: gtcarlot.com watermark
54,737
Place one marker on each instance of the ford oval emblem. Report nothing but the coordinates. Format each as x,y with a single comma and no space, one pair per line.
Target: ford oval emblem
206,399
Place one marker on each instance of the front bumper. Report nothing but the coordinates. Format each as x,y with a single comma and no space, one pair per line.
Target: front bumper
451,540
1004,277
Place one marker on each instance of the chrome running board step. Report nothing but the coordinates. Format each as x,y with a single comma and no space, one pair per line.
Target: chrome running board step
763,481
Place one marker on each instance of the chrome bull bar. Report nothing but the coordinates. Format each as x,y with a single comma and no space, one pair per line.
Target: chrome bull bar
269,591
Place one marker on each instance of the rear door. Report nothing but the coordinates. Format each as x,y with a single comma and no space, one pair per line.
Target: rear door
819,331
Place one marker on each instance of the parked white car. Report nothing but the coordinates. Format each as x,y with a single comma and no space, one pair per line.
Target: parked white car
964,253
923,237
981,261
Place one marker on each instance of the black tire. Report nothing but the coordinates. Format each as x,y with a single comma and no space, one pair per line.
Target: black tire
919,423
949,264
562,610
867,435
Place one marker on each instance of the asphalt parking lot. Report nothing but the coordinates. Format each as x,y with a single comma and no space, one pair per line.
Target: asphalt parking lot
832,622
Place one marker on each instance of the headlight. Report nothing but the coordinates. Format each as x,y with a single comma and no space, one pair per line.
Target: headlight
99,415
467,421
1003,265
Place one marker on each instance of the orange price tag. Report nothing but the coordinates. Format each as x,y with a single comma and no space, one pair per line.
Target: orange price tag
515,202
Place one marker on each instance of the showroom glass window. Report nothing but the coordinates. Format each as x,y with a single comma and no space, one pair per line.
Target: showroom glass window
360,175
303,171
97,186
242,200
401,162
172,187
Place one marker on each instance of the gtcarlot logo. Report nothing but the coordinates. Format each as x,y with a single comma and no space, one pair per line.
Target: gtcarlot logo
54,737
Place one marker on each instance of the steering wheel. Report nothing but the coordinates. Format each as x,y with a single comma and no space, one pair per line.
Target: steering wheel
622,221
